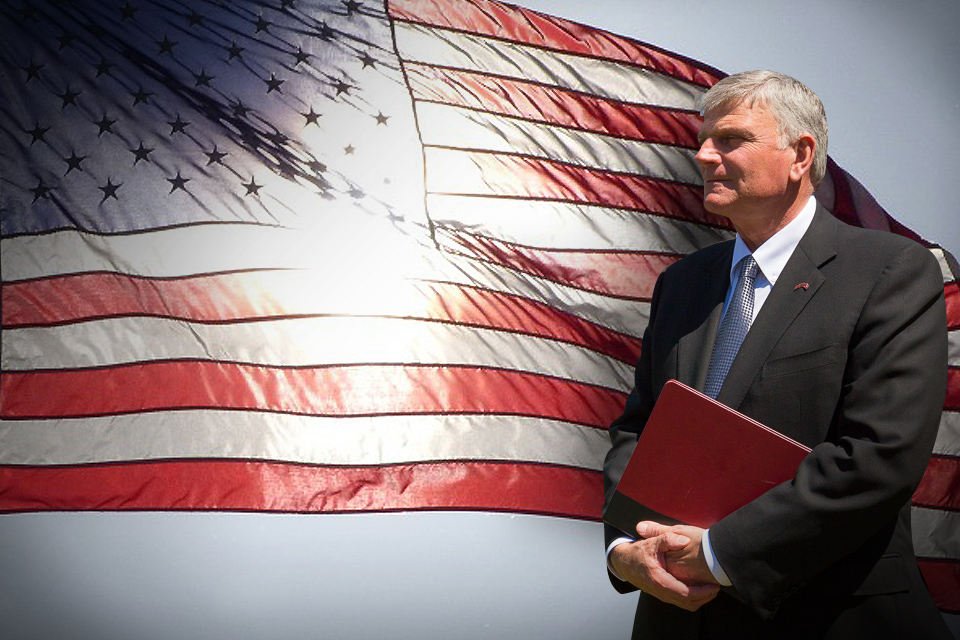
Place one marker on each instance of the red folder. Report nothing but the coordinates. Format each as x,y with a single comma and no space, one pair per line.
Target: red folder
697,461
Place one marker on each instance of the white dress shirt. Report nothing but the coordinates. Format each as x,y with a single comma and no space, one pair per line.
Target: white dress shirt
771,257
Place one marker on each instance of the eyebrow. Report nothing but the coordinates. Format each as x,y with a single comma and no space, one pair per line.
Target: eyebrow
725,130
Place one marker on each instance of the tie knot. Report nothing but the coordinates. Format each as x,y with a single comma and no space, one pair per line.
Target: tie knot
748,267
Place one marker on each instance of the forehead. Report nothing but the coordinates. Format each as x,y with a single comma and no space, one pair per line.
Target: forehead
751,116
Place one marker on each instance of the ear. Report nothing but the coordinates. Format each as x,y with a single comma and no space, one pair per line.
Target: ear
804,146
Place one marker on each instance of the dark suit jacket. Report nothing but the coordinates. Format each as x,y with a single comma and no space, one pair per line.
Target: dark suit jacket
852,365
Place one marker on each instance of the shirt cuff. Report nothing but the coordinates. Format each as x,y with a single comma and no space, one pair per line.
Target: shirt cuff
616,543
712,563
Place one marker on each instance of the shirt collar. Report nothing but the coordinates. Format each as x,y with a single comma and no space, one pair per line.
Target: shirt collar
772,255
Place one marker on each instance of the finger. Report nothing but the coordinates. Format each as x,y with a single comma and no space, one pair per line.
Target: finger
671,542
700,591
693,605
699,596
653,560
650,529
696,598
668,582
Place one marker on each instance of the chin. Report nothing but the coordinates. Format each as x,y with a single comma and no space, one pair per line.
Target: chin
715,205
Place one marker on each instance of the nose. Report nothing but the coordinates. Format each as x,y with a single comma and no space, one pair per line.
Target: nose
707,154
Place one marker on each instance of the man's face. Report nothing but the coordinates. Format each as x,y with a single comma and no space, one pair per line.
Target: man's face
744,171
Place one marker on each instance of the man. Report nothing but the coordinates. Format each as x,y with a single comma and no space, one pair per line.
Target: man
844,350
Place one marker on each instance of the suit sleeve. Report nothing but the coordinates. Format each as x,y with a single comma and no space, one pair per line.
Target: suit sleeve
627,428
881,436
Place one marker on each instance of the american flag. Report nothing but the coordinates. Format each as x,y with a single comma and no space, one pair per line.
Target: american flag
348,256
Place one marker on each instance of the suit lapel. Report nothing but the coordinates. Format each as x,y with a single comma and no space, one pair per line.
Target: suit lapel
694,348
785,302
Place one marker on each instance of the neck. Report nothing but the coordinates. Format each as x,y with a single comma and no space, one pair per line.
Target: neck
757,229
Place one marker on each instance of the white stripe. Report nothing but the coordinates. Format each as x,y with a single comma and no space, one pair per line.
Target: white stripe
449,126
561,225
936,533
948,435
453,172
303,342
342,269
176,251
625,316
605,78
953,348
301,439
948,275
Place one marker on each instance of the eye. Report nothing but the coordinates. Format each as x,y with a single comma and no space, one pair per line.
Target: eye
723,140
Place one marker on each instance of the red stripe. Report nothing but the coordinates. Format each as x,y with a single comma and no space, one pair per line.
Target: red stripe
943,580
268,486
901,229
232,297
951,291
85,296
625,274
952,401
940,487
552,105
845,206
528,27
338,391
486,308
535,178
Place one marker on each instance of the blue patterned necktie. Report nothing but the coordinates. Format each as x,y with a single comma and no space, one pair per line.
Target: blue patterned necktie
733,328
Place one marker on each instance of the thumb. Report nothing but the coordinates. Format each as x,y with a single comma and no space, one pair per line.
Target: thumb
650,529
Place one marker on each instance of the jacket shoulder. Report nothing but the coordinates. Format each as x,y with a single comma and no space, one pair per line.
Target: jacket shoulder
866,248
707,259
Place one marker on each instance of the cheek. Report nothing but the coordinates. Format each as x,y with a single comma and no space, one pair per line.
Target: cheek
770,182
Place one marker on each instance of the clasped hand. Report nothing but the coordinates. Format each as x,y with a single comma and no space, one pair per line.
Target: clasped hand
668,563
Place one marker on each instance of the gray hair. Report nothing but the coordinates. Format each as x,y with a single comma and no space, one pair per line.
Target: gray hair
795,107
